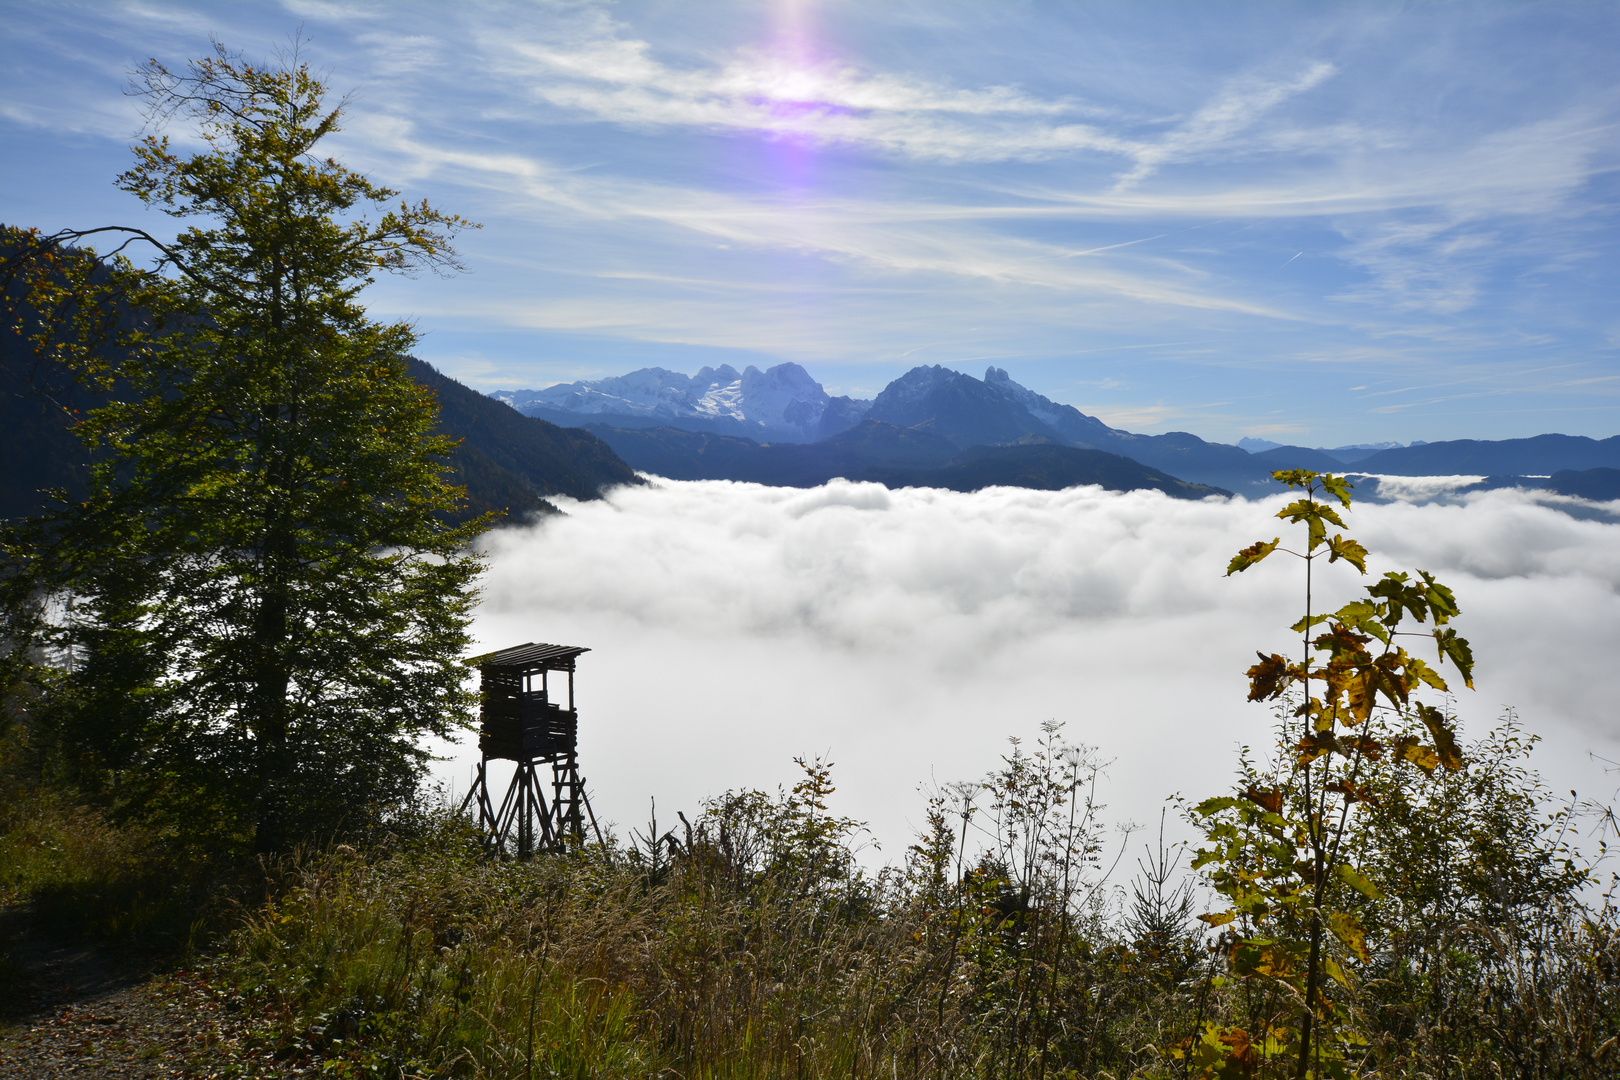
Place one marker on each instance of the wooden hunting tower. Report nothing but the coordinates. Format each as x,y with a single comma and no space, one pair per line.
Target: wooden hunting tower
530,719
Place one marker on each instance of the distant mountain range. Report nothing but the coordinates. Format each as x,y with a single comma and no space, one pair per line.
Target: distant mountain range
932,427
886,453
966,412
1349,455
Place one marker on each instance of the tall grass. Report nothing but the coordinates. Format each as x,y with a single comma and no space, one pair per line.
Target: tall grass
67,869
752,944
435,962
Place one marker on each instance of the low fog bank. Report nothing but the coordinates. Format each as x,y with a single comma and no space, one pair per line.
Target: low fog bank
906,635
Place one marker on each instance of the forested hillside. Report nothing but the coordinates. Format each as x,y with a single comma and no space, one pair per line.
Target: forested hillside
887,454
508,462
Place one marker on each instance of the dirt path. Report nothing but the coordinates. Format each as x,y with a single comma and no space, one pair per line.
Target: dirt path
77,1011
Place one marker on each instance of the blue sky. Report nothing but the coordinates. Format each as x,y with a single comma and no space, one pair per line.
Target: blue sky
1308,222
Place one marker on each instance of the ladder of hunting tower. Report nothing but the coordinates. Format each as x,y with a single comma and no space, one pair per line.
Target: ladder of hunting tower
528,717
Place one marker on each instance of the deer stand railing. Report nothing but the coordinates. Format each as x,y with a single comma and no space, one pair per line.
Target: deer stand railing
528,717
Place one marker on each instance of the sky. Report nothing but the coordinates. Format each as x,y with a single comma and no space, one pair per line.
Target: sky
906,636
1312,223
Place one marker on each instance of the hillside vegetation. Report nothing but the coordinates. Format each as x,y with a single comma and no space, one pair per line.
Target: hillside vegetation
1010,941
509,463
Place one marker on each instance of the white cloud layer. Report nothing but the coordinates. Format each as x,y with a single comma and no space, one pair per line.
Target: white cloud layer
907,634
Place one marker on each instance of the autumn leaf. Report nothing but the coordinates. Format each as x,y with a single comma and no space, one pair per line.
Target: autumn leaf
1347,929
1412,750
1399,597
1316,516
1442,603
1308,621
1366,746
1315,745
1416,668
1271,958
1341,640
1457,650
1271,799
1362,616
1241,1049
1267,678
1363,694
1445,740
1352,791
1342,547
1251,555
1337,486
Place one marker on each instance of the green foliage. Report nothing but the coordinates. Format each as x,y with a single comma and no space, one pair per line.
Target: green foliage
1479,925
256,611
65,869
749,944
1283,852
444,964
754,945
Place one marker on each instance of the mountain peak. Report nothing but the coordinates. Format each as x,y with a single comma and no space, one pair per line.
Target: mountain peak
915,385
708,376
782,403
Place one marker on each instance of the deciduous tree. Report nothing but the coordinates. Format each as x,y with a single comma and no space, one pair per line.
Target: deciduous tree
1279,852
257,611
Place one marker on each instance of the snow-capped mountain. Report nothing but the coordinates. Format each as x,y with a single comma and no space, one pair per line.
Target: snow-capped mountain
944,408
781,404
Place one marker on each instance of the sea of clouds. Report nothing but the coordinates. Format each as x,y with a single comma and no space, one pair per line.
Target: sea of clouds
907,635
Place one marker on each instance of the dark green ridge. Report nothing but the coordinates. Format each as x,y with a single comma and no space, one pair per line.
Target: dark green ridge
885,453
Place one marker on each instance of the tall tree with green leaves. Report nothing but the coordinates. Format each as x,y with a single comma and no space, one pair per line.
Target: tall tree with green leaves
258,610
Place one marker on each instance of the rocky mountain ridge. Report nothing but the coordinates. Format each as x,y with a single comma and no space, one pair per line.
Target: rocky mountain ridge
967,412
779,404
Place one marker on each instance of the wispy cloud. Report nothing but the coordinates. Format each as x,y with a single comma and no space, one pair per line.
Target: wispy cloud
879,237
1214,124
618,80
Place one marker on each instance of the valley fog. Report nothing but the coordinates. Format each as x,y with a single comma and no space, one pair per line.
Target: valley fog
906,635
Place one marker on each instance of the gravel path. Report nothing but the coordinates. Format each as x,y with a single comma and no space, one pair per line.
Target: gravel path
76,1011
